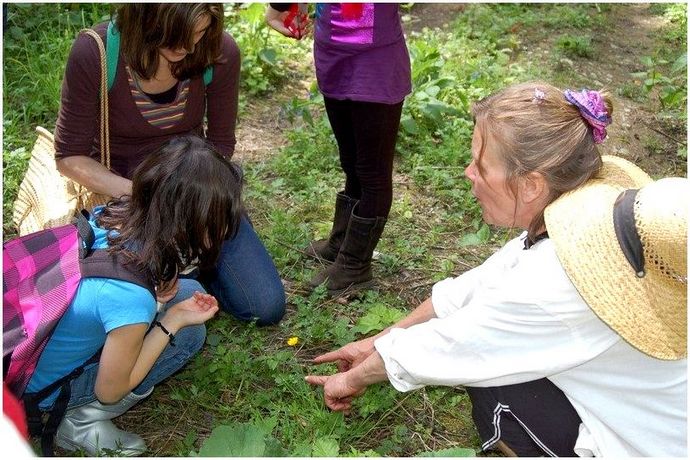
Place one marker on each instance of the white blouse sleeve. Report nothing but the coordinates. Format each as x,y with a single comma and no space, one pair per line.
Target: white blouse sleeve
527,324
452,294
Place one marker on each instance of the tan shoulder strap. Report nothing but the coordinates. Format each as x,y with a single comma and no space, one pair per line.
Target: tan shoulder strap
104,131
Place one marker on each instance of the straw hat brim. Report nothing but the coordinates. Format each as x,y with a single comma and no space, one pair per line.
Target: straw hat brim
580,224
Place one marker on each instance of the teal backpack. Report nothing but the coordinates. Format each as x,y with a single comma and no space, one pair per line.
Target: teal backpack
112,54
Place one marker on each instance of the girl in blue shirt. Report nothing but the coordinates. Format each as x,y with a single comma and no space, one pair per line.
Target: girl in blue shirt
185,201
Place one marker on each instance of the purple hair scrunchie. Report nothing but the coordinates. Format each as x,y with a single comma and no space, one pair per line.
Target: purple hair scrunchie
593,110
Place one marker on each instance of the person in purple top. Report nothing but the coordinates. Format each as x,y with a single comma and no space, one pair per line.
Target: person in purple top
363,71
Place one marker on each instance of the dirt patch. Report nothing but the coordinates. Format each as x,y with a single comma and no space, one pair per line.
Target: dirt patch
263,121
638,133
432,15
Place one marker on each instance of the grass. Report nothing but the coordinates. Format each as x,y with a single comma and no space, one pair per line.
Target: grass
575,46
247,383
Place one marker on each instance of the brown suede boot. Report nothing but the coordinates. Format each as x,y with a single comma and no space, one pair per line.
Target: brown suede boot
351,270
328,249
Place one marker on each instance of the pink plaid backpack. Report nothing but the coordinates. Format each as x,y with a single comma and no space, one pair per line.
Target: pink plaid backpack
41,274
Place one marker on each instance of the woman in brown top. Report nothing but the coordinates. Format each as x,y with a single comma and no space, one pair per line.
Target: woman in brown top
160,92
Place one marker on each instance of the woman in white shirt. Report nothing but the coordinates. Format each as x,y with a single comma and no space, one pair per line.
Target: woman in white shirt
571,342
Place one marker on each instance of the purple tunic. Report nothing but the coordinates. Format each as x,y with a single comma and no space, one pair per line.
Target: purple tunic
362,57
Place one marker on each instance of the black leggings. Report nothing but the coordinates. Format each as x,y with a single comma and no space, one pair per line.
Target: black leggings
366,133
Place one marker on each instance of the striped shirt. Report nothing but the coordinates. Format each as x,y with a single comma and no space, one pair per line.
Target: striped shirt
162,116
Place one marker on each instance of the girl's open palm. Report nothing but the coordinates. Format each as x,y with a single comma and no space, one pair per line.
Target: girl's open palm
195,310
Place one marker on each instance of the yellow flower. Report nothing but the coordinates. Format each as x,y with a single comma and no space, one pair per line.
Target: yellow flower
292,341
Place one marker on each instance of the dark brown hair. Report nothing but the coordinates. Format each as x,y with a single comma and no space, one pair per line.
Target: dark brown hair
545,135
146,27
185,202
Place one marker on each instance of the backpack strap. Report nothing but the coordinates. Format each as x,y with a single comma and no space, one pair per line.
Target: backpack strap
85,231
208,75
112,52
99,263
102,264
34,416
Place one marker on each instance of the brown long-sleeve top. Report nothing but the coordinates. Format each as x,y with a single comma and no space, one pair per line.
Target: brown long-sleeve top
131,136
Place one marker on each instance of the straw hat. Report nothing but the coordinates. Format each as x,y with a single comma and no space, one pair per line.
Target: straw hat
647,307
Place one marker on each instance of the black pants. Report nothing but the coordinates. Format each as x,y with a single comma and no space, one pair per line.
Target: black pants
533,419
366,133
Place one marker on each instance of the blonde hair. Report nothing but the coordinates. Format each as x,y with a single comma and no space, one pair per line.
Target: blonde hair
538,130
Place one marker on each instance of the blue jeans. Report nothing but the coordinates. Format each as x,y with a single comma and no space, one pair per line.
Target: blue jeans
245,281
188,342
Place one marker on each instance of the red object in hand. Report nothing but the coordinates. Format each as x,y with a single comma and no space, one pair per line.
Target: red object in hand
289,21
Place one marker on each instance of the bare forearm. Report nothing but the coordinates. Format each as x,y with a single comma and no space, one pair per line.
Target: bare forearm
94,176
115,377
372,370
154,344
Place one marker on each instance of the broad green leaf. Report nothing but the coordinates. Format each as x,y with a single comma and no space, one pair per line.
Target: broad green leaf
377,318
452,452
240,440
213,339
325,447
368,323
470,239
432,90
484,233
409,125
274,449
268,55
680,64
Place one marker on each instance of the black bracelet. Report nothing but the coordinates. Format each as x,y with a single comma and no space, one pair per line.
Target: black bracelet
170,335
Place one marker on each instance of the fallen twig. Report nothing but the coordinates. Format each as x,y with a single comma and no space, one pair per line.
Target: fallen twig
664,134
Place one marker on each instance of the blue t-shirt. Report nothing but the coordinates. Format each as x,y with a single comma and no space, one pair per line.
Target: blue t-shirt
99,306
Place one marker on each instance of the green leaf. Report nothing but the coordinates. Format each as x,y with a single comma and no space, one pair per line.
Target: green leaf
409,125
483,233
480,237
306,116
325,447
253,13
680,64
432,90
368,323
16,33
274,449
377,318
452,452
213,339
241,440
269,56
470,239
